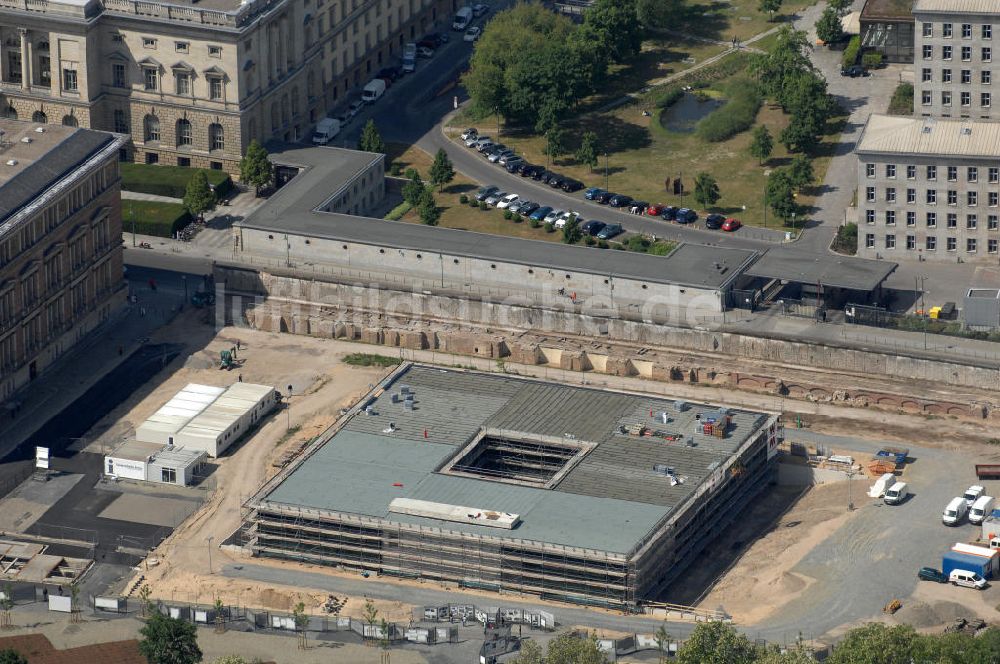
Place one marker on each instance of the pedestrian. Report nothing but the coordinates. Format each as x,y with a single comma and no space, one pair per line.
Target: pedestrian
142,312
233,351
239,378
152,284
237,344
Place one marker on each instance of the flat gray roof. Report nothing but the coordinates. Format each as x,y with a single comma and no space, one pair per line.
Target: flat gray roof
608,501
903,135
325,170
850,272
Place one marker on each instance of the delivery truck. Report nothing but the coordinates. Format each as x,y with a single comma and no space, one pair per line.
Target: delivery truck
326,130
373,90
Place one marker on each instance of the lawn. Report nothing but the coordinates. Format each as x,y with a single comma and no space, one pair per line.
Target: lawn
738,19
169,180
153,217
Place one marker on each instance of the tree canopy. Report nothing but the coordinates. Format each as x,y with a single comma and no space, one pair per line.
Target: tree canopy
442,171
828,26
255,168
198,196
167,640
371,139
762,144
11,656
566,648
706,190
427,209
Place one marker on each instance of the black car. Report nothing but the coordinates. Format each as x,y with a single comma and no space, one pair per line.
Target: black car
526,209
620,200
592,227
610,231
512,164
555,180
605,197
669,213
526,170
854,71
571,185
433,40
714,221
931,574
639,206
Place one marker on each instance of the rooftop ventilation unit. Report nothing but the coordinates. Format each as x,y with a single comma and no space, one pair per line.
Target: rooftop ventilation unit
681,406
966,131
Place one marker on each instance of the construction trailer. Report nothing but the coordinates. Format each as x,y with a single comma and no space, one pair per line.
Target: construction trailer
152,462
514,485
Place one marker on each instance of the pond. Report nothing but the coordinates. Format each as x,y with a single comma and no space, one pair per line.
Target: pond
685,113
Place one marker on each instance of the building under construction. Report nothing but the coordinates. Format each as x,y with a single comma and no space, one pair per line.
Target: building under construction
516,485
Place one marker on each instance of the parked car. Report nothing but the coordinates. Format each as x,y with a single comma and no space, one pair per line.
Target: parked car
669,213
854,71
479,9
639,207
496,147
428,42
486,192
605,197
505,202
507,158
481,142
495,156
714,221
565,217
686,216
472,140
389,74
972,494
570,185
610,231
344,118
541,213
592,193
551,217
355,107
424,52
592,227
731,224
655,210
526,169
954,512
472,34
931,574
512,163
540,174
516,206
469,133
484,146
495,198
967,579
527,208
620,200
555,180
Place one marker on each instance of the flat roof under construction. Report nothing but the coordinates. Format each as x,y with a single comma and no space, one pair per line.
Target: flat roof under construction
436,452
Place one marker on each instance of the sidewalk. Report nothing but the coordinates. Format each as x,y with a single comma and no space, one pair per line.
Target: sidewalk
139,196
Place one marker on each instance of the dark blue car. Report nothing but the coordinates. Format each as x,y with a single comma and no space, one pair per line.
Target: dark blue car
540,213
593,193
686,216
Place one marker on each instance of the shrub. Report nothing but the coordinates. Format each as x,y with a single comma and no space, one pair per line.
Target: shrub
517,218
463,199
410,173
395,169
850,55
668,97
602,244
549,228
902,100
473,203
871,60
396,213
370,360
170,181
534,223
589,241
736,115
507,214
846,241
154,218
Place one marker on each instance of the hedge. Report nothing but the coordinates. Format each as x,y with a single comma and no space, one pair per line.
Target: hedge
170,181
850,56
396,213
736,115
154,218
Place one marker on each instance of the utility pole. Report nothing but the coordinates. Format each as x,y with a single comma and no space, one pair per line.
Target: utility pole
288,411
209,540
605,171
850,499
131,214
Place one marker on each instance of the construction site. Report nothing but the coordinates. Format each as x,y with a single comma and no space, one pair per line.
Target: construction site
509,484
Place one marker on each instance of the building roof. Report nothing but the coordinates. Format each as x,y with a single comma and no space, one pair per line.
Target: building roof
860,274
181,409
236,401
900,10
41,159
608,500
40,650
890,134
956,6
171,456
292,210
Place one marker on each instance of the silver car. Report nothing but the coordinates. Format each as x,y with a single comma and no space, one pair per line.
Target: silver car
495,198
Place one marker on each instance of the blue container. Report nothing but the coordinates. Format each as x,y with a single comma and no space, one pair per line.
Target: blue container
954,560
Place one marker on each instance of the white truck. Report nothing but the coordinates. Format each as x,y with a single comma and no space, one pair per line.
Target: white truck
373,90
410,58
326,130
462,19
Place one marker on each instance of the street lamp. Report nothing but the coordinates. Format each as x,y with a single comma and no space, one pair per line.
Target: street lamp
288,411
131,214
209,540
850,500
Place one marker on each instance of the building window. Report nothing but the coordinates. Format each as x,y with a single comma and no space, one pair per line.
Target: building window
928,29
215,51
69,80
890,217
148,42
987,54
930,243
966,53
985,77
870,195
966,31
972,174
184,162
168,475
987,31
926,74
932,196
928,52
890,170
971,221
911,218
992,222
118,75
946,98
183,132
911,172
149,78
215,87
926,97
911,195
966,99
890,241
181,47
216,137
182,81
991,246
121,123
870,170
890,194
966,76
992,198
39,117
951,244
117,38
911,242
946,76
946,30
985,99
870,216
932,220
151,128
953,174
152,158
952,220
946,52
952,197
972,198
870,241
970,245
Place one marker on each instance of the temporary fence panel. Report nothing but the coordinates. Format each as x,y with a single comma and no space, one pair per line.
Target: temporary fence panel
116,604
61,603
283,622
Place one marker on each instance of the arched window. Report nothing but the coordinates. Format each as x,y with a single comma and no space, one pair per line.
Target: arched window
216,137
39,117
70,121
252,129
10,113
311,84
151,128
183,132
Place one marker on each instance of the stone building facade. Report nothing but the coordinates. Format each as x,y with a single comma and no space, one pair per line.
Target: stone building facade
193,82
929,190
953,59
60,243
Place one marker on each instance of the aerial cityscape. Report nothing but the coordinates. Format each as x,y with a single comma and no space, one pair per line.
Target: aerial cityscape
563,332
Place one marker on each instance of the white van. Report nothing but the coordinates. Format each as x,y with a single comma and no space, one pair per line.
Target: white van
881,485
954,512
897,493
972,494
962,577
462,19
325,131
373,90
980,509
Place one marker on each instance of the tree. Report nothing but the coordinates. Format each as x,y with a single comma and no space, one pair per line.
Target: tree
531,653
167,640
717,642
145,606
706,190
840,6
11,656
801,172
301,623
571,649
876,643
370,615
427,209
555,142
231,659
613,26
662,642
780,195
762,144
587,152
371,140
442,172
255,168
198,196
787,57
769,6
571,231
6,604
660,13
413,190
828,27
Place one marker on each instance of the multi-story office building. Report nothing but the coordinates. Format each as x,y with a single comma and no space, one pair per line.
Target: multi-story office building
953,62
194,81
60,242
929,189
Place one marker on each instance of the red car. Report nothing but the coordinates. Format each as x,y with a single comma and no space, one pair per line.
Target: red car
731,224
655,210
